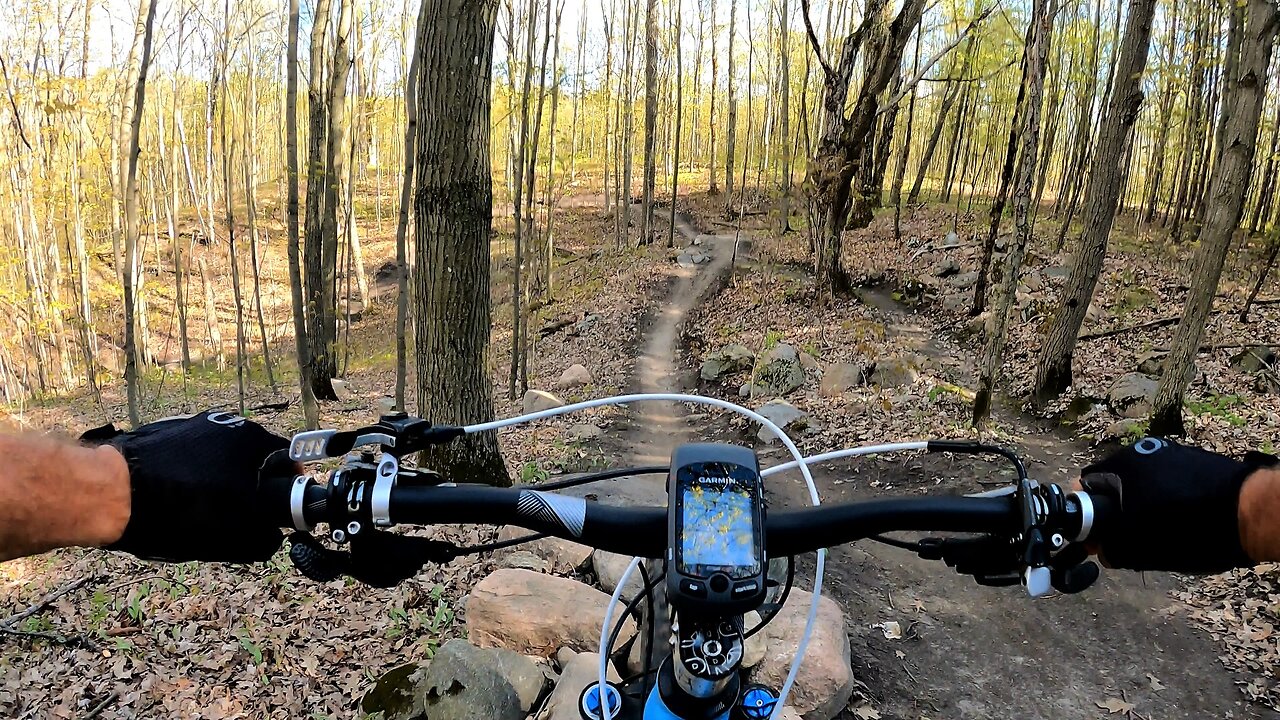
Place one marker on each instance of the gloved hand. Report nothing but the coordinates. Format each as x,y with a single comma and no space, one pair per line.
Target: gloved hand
194,482
1178,507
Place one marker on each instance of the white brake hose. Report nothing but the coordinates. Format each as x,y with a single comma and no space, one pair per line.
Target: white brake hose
819,566
800,462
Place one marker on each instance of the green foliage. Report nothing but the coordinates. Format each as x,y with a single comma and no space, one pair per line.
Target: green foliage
531,472
771,339
1217,406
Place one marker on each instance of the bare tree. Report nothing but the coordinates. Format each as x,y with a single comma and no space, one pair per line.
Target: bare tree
1039,35
1053,369
402,223
650,116
453,217
146,20
1227,193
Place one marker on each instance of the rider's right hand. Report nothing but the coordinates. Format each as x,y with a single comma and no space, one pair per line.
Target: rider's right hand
1180,507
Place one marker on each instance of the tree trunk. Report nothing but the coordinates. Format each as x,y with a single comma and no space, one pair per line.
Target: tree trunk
731,131
1039,35
310,412
517,280
325,337
1053,369
675,176
900,169
1230,184
1155,176
320,308
146,20
784,115
711,123
1274,243
650,117
452,205
1016,128
1267,191
402,222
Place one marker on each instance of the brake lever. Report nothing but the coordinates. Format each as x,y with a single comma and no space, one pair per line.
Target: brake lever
376,558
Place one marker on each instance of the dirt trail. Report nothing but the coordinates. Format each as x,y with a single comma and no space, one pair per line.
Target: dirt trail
990,653
660,427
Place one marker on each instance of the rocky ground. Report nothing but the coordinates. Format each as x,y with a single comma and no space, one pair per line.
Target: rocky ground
905,638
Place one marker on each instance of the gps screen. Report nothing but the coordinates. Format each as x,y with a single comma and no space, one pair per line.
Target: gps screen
717,532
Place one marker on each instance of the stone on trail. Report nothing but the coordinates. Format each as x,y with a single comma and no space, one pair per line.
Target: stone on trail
728,359
946,267
577,671
539,400
893,371
1126,428
582,431
825,680
1253,359
810,363
609,568
576,375
784,415
840,377
562,556
1131,395
462,681
963,281
779,372
343,390
537,614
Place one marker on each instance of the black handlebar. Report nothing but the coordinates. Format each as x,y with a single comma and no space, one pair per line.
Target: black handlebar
642,531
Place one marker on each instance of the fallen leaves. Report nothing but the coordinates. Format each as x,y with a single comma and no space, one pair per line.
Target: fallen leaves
1115,706
866,712
892,629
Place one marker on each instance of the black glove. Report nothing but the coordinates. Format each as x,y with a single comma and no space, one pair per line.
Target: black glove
194,483
1178,507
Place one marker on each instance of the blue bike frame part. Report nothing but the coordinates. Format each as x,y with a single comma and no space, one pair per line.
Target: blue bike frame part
656,709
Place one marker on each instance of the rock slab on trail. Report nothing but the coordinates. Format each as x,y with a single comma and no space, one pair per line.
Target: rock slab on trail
462,681
825,681
562,556
539,400
574,376
726,360
780,371
577,671
784,415
537,614
1131,395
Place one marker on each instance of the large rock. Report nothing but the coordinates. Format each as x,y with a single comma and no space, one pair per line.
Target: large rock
576,672
609,568
780,371
839,377
729,359
946,267
562,556
1131,395
784,415
342,390
537,614
1251,360
574,376
963,281
893,371
1152,363
461,682
582,431
825,681
539,400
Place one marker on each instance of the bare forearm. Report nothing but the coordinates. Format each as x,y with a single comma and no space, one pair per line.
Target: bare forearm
55,493
1259,516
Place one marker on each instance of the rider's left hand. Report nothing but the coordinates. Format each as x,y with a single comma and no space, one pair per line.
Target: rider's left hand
194,488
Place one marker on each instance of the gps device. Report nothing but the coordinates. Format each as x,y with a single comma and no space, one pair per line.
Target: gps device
716,557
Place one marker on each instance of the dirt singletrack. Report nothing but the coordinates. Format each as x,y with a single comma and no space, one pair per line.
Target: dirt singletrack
967,652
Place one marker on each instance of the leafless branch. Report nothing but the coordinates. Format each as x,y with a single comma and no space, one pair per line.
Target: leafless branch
927,66
813,38
17,116
45,601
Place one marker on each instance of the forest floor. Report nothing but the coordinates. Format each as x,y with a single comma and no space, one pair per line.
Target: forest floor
214,641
